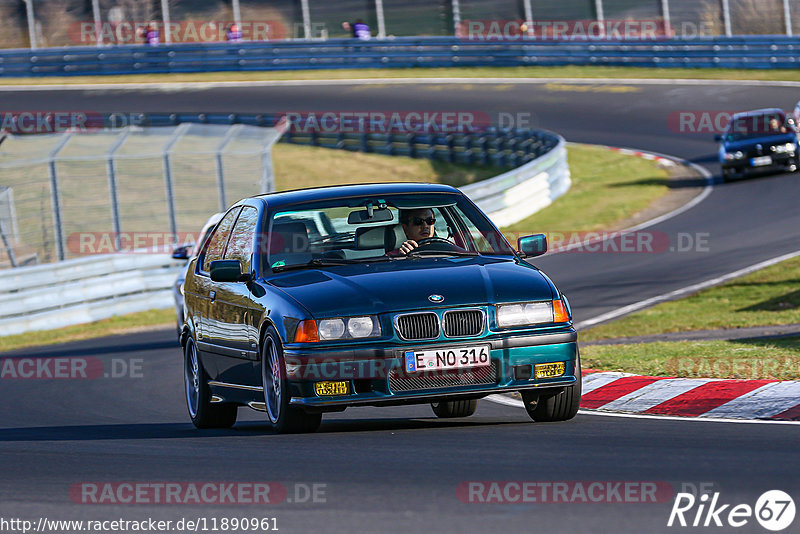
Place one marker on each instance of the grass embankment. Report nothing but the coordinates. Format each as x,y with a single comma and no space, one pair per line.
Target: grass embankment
567,72
765,298
595,173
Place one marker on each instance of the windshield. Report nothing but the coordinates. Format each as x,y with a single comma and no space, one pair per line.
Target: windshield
749,126
356,230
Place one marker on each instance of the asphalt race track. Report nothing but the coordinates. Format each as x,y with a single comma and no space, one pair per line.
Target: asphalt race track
400,469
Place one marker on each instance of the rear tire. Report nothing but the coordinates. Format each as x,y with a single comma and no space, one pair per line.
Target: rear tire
203,413
284,418
450,409
561,405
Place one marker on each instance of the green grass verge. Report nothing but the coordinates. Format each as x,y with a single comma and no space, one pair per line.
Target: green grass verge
764,298
595,172
572,72
120,324
746,359
607,187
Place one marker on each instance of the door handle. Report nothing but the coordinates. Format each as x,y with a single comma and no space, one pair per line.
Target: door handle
212,295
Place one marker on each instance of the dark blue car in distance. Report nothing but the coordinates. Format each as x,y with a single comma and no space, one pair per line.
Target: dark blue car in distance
302,302
758,141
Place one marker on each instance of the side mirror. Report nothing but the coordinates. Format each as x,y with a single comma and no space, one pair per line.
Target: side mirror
718,138
227,271
531,246
181,253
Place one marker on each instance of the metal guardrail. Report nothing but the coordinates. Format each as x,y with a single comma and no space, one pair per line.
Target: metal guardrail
78,291
701,52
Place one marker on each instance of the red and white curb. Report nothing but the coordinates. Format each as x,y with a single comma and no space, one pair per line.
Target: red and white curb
662,160
712,399
691,397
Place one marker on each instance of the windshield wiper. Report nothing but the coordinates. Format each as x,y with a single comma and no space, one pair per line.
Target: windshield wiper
330,262
421,253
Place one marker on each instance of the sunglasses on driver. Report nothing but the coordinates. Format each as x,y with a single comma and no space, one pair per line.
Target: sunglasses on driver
430,221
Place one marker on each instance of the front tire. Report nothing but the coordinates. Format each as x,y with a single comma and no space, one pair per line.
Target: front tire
559,406
285,419
203,413
450,409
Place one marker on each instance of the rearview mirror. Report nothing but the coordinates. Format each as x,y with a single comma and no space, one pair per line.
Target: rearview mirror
227,271
363,216
531,246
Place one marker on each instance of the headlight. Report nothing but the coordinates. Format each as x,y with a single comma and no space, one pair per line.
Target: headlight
349,328
531,313
783,149
734,155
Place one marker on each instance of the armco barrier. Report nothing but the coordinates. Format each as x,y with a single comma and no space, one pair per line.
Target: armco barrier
760,52
78,291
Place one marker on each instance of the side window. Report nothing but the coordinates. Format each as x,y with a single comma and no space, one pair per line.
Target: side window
240,245
216,247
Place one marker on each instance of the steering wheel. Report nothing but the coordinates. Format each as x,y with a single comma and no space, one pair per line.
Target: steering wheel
432,242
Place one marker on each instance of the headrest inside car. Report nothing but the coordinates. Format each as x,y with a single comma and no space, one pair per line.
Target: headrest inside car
288,237
371,238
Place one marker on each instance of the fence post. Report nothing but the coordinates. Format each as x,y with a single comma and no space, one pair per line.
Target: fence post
31,23
7,244
726,16
165,18
97,22
601,17
456,17
111,169
55,197
787,17
666,16
237,14
526,5
306,19
179,131
381,20
229,135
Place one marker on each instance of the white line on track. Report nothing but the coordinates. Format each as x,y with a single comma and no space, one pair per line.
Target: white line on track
389,81
500,399
672,295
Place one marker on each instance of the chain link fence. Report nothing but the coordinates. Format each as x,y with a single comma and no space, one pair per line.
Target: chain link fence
70,194
52,23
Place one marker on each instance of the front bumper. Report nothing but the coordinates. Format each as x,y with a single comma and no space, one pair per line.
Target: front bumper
375,375
745,165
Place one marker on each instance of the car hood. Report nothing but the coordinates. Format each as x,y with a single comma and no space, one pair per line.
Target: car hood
407,285
764,140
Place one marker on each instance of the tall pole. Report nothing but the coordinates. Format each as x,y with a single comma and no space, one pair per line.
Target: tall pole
526,5
456,17
787,17
97,22
601,16
381,20
306,19
666,16
31,23
165,18
237,14
726,16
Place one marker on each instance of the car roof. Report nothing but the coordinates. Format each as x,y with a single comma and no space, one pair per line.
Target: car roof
353,190
759,112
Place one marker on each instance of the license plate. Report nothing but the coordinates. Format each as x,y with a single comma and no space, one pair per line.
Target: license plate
761,161
332,388
442,358
549,370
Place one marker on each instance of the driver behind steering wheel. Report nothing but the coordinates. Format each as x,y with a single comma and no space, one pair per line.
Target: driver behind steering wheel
418,224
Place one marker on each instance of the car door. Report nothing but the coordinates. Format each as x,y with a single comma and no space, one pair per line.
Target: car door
233,308
211,333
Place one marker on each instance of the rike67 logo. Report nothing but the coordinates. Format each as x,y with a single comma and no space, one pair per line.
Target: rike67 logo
774,510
